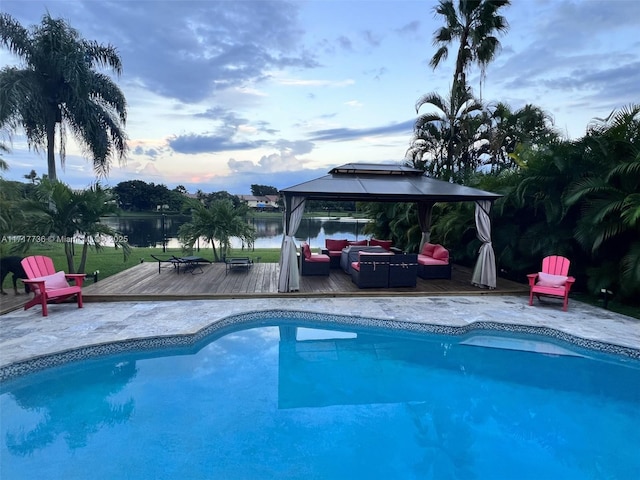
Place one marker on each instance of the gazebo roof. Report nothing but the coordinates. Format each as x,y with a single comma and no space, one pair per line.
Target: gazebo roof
384,183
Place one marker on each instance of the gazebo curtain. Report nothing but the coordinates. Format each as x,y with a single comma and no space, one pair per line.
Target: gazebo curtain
289,279
424,219
484,273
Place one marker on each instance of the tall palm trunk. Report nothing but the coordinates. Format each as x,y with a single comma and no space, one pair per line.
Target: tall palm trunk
68,251
51,148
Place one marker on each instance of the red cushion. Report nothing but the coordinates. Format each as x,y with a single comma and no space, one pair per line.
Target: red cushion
428,249
426,260
338,245
318,257
441,253
355,266
386,244
359,243
306,250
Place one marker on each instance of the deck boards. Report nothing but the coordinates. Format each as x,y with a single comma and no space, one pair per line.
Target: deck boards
143,282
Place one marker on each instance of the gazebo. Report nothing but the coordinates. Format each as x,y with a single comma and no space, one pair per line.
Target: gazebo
363,182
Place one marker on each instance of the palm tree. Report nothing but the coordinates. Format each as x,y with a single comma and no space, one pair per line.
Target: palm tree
474,24
609,226
53,215
218,222
448,131
58,214
58,89
509,131
93,204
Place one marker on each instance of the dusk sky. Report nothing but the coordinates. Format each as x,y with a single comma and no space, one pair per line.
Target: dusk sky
222,95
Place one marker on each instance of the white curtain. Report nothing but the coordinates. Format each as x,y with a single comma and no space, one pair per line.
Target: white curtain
424,219
289,280
484,273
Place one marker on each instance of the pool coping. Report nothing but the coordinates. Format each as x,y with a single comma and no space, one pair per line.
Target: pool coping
250,317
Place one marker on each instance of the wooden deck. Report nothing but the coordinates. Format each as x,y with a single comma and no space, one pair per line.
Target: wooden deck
143,283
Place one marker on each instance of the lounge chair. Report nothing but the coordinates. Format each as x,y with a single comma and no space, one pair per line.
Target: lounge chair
237,263
191,262
48,285
552,280
170,261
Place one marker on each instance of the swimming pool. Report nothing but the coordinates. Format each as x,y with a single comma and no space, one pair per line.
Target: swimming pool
293,399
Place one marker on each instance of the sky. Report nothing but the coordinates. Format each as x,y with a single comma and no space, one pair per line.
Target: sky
225,94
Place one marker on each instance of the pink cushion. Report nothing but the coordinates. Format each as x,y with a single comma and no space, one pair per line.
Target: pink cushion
359,243
54,281
306,250
426,260
427,249
386,244
440,253
318,257
548,280
355,266
338,245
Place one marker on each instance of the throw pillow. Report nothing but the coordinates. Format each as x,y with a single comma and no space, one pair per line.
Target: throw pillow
54,281
440,253
427,249
358,243
335,244
548,280
386,244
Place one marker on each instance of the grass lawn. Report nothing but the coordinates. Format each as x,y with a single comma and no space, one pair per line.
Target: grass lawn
110,261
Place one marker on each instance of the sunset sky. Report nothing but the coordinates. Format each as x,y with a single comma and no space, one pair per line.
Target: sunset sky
222,95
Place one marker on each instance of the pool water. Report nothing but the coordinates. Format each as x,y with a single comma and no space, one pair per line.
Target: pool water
291,402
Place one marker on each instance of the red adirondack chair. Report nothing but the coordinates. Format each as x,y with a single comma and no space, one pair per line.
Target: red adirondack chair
48,285
552,280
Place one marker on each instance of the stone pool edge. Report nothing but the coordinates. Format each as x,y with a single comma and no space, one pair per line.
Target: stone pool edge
24,367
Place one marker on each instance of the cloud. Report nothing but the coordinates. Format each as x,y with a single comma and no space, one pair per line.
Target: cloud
353,103
297,147
193,144
344,134
164,44
285,160
315,83
409,29
150,152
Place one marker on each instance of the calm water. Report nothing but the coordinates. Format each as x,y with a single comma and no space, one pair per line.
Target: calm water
150,231
299,403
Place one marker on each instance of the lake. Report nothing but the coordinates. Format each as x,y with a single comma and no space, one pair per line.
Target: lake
150,231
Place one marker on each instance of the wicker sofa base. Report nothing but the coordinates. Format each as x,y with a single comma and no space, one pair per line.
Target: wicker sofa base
428,272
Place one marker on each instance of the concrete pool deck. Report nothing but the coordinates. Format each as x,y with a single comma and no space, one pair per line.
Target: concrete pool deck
27,335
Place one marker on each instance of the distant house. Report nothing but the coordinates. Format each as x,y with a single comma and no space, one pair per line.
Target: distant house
265,202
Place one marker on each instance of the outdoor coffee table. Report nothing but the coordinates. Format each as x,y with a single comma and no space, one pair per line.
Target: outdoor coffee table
238,262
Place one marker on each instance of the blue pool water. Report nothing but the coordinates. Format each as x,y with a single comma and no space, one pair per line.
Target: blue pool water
291,402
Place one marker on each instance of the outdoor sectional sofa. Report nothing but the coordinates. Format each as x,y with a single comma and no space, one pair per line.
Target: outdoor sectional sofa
334,248
433,262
